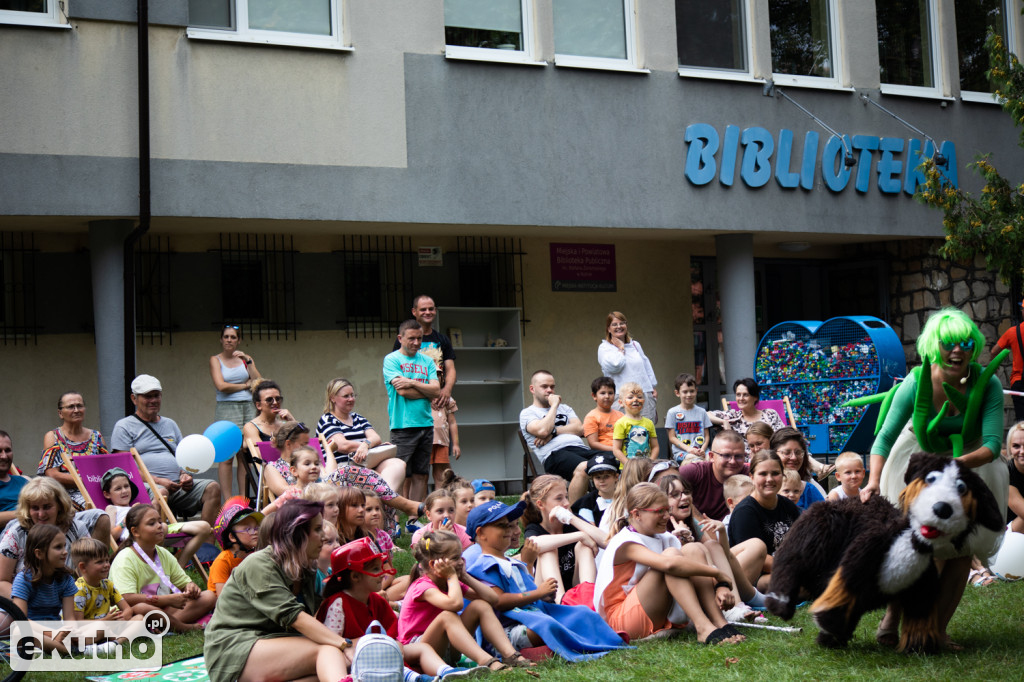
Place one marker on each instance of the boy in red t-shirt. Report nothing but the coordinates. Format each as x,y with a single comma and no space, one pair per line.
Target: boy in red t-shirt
352,601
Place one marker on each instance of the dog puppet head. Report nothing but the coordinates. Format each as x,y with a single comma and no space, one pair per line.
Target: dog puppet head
945,501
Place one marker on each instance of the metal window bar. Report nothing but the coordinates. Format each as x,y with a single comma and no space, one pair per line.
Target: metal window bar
491,273
258,285
153,290
377,271
18,277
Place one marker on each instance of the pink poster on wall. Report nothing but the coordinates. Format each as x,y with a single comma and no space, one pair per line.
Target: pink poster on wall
583,267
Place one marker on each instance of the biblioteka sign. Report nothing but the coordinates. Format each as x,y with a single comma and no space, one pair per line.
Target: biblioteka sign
889,162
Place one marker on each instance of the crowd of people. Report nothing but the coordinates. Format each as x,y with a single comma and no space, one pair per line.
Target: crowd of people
614,543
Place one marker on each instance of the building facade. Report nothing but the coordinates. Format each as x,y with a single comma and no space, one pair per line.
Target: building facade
315,164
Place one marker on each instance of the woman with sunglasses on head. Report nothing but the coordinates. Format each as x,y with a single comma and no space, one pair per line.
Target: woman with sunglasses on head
266,396
233,372
949,377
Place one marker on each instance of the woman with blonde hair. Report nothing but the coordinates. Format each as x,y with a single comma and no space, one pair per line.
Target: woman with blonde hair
623,359
42,500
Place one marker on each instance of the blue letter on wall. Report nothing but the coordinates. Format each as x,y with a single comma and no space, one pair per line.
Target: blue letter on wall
785,177
756,169
729,148
865,143
915,177
889,169
833,171
700,157
810,155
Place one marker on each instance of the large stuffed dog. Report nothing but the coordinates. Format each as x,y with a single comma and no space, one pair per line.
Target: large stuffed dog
854,557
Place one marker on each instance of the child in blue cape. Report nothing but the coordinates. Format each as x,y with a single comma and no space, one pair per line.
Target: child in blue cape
573,632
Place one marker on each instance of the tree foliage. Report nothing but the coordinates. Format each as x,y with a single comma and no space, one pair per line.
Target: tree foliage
992,223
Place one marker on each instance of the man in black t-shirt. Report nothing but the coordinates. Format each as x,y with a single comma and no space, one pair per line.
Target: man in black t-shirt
424,311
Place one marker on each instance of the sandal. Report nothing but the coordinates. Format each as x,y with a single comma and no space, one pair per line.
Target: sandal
720,635
980,577
517,660
488,663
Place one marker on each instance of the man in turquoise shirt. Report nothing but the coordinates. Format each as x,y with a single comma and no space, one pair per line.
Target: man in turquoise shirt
411,381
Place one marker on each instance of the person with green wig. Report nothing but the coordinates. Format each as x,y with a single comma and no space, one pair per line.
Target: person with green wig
949,406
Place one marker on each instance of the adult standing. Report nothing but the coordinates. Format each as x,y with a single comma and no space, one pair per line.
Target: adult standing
233,372
425,312
1013,338
411,382
948,345
623,359
10,483
156,438
70,439
270,412
264,627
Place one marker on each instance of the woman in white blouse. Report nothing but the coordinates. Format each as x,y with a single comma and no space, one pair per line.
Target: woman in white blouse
622,359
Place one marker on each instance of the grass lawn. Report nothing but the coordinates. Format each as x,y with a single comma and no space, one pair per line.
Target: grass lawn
989,623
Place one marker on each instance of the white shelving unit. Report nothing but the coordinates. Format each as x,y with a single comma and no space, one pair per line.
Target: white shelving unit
488,390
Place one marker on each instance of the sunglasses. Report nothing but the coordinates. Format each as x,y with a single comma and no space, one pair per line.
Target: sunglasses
274,399
231,326
965,344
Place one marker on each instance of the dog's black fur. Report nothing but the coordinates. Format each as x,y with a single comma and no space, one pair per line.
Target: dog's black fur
839,548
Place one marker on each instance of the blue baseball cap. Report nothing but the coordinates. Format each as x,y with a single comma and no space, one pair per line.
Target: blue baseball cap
481,484
491,512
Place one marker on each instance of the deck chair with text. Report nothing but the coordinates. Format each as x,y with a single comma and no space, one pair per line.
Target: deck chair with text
88,472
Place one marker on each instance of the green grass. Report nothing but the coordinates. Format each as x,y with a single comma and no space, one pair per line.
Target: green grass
988,623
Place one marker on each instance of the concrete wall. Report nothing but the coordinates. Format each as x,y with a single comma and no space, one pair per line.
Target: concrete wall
562,335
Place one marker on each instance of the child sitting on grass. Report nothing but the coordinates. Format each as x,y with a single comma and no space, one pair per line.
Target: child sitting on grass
599,424
236,531
735,489
604,474
634,433
530,619
326,494
461,491
45,587
323,560
483,491
440,508
352,602
792,486
850,474
96,598
434,612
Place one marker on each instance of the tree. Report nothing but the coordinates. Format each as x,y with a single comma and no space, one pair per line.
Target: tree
991,224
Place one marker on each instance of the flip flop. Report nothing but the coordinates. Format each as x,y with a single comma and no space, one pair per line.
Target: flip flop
719,635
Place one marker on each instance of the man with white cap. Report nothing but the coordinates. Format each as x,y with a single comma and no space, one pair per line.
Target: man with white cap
156,438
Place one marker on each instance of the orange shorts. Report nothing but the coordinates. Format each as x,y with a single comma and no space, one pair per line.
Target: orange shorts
439,455
629,616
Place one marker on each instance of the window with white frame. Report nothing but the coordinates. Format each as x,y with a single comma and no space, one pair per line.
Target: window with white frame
493,30
804,41
973,19
594,33
908,50
31,12
303,23
713,35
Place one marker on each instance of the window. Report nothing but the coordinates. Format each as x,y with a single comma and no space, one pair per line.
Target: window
713,35
490,30
303,23
804,42
257,279
31,13
973,19
594,33
907,46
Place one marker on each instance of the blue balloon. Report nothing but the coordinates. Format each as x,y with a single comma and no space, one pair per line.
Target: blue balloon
226,438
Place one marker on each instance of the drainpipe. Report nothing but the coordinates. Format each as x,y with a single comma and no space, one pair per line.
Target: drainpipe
144,202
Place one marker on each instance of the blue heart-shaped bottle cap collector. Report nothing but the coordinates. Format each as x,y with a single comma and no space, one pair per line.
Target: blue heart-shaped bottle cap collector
820,366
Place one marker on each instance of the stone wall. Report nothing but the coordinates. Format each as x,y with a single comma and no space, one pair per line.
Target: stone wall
920,281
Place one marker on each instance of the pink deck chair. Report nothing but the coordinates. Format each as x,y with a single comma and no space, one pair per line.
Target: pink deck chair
781,407
88,470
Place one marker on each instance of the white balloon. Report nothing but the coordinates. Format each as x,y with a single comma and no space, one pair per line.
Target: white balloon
1009,562
195,453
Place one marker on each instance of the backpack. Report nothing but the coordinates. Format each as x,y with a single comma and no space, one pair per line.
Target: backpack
377,657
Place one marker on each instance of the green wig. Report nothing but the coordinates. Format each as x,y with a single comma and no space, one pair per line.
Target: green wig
948,325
